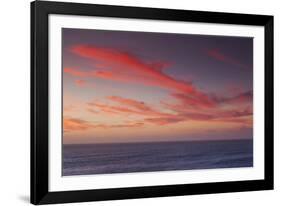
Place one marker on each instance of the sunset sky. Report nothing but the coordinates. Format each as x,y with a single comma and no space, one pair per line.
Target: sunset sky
138,87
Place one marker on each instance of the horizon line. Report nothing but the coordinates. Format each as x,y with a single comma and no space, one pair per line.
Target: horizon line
143,142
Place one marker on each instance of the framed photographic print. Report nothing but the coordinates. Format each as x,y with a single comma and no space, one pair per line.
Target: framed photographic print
133,102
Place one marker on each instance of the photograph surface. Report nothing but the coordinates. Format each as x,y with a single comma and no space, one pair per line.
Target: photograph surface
147,102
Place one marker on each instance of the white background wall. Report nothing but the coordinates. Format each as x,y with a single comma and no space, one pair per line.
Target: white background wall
14,102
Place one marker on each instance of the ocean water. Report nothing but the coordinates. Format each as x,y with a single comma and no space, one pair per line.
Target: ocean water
147,157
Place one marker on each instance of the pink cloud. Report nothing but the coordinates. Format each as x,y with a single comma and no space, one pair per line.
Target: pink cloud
163,120
80,82
213,101
84,83
75,124
111,109
126,106
126,67
244,97
189,101
137,105
233,89
77,73
173,113
220,56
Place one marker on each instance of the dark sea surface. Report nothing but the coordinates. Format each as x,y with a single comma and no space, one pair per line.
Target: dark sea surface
157,156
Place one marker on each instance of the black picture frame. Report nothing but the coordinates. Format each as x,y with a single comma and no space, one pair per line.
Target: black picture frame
39,102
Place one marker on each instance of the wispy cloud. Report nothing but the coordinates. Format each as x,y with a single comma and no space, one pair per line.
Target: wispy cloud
244,97
168,113
125,67
126,106
220,56
75,124
80,82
